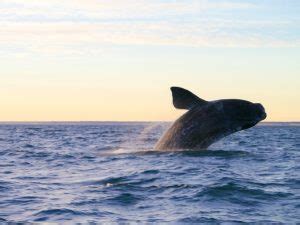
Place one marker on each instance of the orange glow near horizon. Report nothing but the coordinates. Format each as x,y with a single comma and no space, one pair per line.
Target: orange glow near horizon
135,98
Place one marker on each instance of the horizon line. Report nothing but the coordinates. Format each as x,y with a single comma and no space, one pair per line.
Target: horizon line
116,121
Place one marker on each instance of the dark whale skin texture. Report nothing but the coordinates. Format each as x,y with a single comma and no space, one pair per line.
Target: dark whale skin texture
203,125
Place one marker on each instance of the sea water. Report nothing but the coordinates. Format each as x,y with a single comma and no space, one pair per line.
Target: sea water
110,173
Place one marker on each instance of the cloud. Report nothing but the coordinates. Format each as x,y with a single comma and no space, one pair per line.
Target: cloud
127,7
95,10
65,26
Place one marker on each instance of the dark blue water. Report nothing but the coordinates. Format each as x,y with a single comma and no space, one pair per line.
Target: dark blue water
108,172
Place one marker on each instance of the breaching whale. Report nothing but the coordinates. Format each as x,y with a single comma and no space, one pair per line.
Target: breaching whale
206,122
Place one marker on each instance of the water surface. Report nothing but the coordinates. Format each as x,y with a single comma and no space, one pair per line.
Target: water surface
109,172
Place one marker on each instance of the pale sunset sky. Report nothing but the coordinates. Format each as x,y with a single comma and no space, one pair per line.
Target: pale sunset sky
95,60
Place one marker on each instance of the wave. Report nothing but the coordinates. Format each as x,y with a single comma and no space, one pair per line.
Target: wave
216,153
63,213
189,153
124,199
232,189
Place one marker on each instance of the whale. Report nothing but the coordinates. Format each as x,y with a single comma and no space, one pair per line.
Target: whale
206,122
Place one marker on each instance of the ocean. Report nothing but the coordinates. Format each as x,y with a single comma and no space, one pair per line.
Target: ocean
108,172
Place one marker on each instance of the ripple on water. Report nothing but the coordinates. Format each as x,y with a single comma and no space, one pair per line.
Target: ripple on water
30,146
111,180
63,211
118,184
215,153
3,220
197,220
6,186
150,172
124,199
25,200
57,214
237,191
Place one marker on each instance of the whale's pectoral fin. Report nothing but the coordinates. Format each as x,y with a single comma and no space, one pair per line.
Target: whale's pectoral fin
184,99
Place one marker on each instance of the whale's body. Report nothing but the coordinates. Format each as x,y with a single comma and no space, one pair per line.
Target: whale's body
207,122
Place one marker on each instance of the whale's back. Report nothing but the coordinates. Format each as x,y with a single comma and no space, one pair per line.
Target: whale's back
197,128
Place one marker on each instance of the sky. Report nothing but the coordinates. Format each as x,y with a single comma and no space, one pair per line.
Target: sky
96,60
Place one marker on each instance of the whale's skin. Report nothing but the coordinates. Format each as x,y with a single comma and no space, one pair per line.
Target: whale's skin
205,124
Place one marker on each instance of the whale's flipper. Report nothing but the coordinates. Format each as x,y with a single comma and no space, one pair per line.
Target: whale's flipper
184,99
